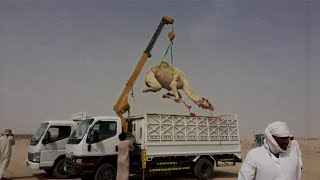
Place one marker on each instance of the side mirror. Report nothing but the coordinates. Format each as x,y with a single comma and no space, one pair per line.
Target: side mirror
89,147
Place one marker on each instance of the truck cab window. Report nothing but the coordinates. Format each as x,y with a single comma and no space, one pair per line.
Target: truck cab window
59,132
104,129
38,134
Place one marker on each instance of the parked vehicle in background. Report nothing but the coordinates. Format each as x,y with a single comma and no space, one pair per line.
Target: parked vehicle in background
47,147
258,140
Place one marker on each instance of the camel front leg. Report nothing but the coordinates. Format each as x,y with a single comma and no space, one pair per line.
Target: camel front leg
174,89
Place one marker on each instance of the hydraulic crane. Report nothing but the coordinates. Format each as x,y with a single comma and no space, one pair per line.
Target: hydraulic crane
122,106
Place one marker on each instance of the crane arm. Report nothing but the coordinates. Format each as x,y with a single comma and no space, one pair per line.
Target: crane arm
122,105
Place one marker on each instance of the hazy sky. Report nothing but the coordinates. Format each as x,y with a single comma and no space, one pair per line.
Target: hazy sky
256,59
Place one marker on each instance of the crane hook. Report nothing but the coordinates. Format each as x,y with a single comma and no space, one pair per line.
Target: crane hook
171,36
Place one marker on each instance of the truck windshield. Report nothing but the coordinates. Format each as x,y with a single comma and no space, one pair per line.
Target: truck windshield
78,134
37,136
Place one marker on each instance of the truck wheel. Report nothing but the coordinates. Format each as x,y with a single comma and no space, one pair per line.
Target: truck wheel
105,172
58,171
48,171
203,169
87,177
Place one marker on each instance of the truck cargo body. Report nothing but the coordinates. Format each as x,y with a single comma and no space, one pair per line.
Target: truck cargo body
176,135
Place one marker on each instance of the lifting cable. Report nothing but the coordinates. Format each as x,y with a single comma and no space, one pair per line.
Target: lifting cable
171,36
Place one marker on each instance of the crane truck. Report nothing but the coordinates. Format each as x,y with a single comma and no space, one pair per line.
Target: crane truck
163,142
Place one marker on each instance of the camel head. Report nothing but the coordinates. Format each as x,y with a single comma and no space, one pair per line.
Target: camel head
205,104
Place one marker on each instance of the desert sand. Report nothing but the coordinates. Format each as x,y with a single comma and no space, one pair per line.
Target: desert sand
310,150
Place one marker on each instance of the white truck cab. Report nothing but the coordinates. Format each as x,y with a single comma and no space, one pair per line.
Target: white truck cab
107,129
47,147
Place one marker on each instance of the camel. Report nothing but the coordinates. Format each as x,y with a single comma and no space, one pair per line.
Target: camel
172,79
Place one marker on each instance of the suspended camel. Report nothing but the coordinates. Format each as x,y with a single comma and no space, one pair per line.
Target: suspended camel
165,76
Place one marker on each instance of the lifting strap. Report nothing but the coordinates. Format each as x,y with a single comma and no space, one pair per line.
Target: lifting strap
169,48
171,36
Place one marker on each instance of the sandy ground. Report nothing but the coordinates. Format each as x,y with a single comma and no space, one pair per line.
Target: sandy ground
310,149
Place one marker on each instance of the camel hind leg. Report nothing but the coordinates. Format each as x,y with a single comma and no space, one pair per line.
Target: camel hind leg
152,83
171,96
176,96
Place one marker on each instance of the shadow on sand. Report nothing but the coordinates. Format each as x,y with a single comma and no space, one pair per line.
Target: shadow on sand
184,176
156,176
38,176
224,174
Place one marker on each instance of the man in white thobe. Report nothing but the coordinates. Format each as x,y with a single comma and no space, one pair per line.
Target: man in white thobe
6,143
294,144
123,163
273,161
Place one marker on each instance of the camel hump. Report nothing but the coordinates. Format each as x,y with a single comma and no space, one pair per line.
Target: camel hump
164,64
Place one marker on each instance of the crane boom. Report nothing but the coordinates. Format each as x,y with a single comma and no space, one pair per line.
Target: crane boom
122,105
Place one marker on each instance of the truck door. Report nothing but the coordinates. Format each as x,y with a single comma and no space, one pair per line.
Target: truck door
54,145
102,138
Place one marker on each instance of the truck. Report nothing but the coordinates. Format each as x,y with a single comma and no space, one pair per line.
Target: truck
163,142
47,147
258,140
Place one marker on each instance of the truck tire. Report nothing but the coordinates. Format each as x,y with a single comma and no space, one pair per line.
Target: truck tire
203,170
58,172
87,177
105,171
48,171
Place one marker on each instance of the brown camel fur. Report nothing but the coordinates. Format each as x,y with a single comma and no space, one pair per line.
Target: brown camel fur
164,76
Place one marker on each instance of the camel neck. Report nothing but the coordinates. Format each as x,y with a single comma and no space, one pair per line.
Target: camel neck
191,94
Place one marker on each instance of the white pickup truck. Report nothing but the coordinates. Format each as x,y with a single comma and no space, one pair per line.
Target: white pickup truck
163,143
47,147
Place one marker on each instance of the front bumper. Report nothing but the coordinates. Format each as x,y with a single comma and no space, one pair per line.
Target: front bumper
33,165
78,170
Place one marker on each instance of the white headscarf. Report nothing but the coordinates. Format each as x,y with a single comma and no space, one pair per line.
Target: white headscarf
279,129
7,132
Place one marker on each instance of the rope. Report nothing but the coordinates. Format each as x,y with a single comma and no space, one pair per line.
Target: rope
210,113
170,47
189,108
171,59
132,95
171,51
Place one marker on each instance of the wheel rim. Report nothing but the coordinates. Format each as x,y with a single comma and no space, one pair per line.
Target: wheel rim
107,175
204,169
61,171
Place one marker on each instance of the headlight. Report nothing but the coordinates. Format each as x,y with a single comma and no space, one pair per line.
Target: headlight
78,160
36,157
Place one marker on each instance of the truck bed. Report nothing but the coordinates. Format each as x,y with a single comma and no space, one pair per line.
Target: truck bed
179,135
